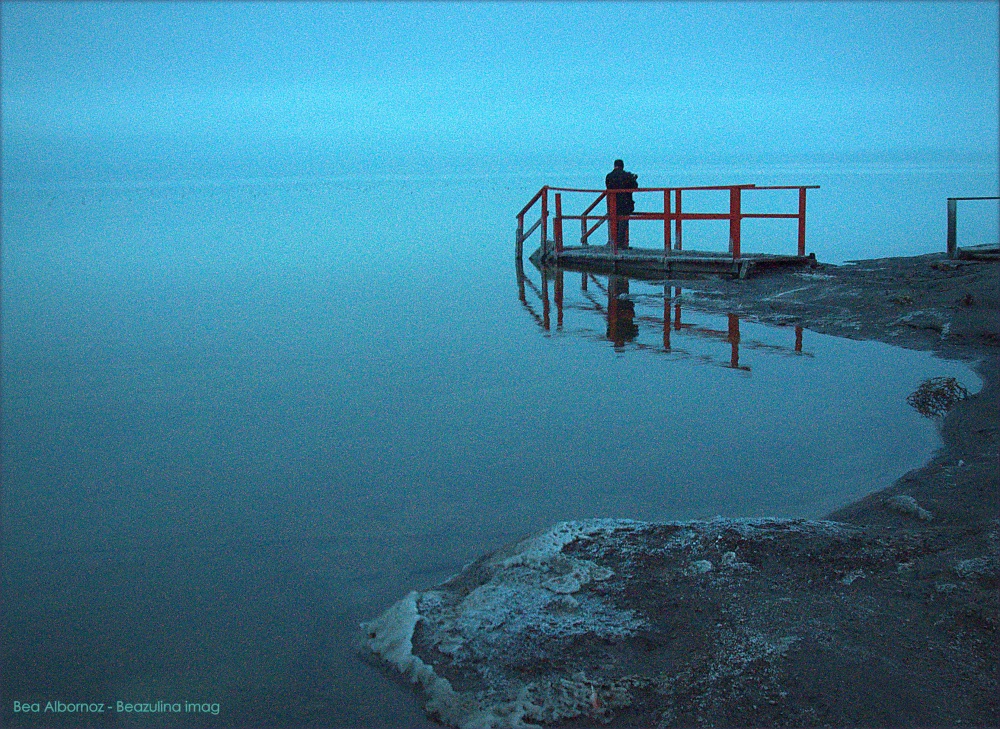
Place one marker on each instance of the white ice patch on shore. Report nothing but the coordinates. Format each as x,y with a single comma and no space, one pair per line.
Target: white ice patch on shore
532,589
391,637
541,547
526,593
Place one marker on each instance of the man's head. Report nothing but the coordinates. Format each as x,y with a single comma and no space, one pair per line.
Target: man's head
619,165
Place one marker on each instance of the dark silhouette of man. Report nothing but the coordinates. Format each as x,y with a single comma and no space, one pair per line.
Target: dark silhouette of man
621,312
620,179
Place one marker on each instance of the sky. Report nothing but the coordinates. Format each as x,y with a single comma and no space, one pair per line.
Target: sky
290,86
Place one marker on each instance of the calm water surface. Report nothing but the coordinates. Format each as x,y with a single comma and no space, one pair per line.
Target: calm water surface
241,417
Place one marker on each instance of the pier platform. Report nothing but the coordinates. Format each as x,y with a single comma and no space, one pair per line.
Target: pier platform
652,263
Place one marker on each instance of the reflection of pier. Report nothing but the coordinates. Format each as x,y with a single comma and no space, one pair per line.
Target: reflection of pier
612,303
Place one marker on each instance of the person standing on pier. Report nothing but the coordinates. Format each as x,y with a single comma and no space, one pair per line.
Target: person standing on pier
620,179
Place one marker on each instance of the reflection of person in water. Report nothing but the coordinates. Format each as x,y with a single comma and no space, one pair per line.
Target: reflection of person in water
621,312
620,179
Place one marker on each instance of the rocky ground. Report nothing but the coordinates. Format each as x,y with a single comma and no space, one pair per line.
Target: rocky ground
886,614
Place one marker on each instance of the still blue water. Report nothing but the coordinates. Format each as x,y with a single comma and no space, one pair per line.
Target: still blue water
241,416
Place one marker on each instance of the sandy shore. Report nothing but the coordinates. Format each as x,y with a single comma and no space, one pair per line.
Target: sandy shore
884,614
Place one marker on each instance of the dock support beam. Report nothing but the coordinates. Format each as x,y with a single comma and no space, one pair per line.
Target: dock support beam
557,224
666,222
952,227
545,222
802,221
678,225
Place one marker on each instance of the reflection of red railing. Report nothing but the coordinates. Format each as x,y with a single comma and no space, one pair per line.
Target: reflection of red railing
672,213
622,321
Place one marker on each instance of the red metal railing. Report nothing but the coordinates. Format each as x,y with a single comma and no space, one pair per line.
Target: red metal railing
672,213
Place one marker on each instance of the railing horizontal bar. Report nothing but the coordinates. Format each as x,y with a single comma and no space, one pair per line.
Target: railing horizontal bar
710,187
683,216
689,216
694,216
787,187
659,189
578,189
974,198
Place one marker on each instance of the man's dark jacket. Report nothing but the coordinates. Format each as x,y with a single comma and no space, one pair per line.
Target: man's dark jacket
622,180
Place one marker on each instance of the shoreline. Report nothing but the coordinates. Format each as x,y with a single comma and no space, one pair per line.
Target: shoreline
884,613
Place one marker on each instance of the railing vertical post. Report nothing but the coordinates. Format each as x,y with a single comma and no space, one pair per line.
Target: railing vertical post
798,339
557,224
519,246
666,222
545,221
802,221
952,228
734,222
613,223
583,230
678,218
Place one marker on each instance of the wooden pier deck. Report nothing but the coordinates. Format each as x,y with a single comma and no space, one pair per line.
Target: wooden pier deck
652,263
984,252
